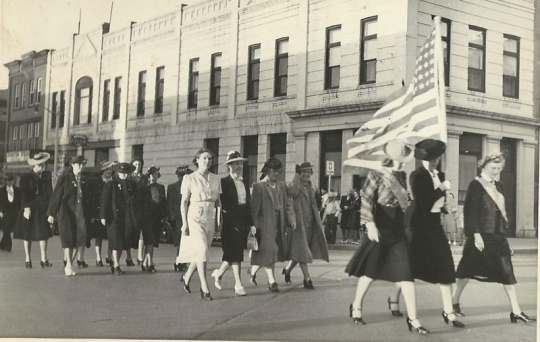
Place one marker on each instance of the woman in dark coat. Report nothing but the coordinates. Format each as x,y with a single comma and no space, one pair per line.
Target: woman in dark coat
10,204
347,206
153,216
32,225
486,255
174,200
235,199
139,179
432,259
118,213
354,219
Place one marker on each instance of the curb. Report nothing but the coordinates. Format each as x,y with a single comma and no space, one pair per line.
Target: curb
455,251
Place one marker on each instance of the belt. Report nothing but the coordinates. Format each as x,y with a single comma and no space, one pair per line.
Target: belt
202,204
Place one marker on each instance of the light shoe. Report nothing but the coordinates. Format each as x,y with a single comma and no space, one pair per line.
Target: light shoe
239,290
68,271
217,280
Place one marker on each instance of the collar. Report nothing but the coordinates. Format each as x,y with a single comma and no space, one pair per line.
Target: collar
488,178
425,164
9,187
236,177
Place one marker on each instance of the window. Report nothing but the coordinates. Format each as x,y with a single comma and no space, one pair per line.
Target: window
253,72
282,67
30,136
137,151
250,144
62,108
278,149
32,92
23,96
193,83
368,51
14,135
141,93
54,109
106,100
160,88
477,59
445,38
470,152
22,131
101,154
331,149
117,97
215,81
36,135
333,57
213,146
83,101
17,96
511,66
39,85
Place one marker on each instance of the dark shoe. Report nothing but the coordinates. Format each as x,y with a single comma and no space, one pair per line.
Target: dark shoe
138,262
183,268
457,310
108,261
143,268
28,264
421,330
151,269
186,285
521,317
99,263
129,262
455,322
112,269
82,264
252,277
396,313
308,284
177,267
118,271
45,263
205,295
273,287
287,276
65,263
356,320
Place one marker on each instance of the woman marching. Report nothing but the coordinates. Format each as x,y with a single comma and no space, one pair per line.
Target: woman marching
385,256
139,179
237,221
307,241
272,214
486,255
201,190
174,199
431,256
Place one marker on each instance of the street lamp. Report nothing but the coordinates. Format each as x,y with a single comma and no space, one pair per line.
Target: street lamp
57,117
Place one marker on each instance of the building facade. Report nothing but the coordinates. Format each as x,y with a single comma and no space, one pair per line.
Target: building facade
294,79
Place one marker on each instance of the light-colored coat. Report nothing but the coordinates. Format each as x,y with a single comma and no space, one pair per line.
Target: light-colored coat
308,240
262,211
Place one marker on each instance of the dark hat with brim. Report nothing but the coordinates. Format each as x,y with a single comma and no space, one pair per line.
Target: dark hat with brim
106,164
272,164
124,168
153,169
234,156
39,158
305,166
429,149
183,170
77,160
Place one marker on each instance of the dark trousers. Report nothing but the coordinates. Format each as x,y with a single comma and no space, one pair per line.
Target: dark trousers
6,243
330,229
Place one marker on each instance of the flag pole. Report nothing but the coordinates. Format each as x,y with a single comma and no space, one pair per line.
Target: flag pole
439,78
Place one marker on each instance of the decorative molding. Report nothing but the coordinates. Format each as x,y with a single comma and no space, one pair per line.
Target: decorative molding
335,110
482,114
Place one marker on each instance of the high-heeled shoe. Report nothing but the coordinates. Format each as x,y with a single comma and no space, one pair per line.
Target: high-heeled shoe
82,264
68,271
356,320
252,277
151,269
177,267
217,279
421,330
28,264
455,322
99,263
273,287
112,269
139,262
308,284
457,310
396,313
287,275
130,262
45,263
205,295
118,271
521,317
143,268
186,285
108,261
240,291
65,263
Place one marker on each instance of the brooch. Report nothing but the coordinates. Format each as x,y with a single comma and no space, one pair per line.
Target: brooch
119,186
74,183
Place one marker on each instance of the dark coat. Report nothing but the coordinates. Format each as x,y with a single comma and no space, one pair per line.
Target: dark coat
174,198
346,213
97,230
424,198
481,213
153,214
10,210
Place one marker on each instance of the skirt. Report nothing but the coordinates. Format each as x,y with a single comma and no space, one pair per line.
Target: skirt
234,239
201,222
35,229
97,230
493,264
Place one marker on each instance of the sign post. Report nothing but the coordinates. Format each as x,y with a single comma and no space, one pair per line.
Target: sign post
329,173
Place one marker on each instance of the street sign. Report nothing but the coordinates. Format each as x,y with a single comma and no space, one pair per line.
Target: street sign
78,140
329,167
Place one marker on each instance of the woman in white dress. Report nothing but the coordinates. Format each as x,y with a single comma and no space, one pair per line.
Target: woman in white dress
201,191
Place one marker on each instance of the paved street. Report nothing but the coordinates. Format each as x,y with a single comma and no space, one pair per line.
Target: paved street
96,304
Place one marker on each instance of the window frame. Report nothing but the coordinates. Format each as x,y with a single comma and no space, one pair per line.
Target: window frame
117,97
54,110
62,108
32,92
160,90
17,100
106,100
30,135
483,49
251,96
278,92
516,55
363,40
141,93
38,92
193,84
23,95
327,68
213,72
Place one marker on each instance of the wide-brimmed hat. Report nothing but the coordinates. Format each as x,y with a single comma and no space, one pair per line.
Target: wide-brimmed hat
305,166
153,169
271,164
399,151
429,149
106,164
38,158
77,160
234,156
124,168
183,170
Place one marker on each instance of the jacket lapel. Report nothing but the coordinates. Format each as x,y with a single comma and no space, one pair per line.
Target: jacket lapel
269,190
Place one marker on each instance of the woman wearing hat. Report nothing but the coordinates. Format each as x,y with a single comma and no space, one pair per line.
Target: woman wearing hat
10,204
32,225
272,214
174,199
486,255
201,190
385,256
235,198
154,215
118,213
307,241
431,256
139,179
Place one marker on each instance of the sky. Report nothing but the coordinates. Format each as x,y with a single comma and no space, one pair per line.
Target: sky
27,25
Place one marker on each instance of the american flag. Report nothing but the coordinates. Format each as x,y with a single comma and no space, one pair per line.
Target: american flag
410,114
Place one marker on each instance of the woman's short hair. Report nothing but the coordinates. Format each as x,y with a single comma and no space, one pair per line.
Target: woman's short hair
198,154
139,159
492,158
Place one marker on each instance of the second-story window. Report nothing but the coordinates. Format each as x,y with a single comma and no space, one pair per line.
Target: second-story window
62,108
368,51
445,38
160,89
17,96
193,83
141,93
117,97
333,57
106,100
23,96
39,85
477,59
32,92
83,101
511,66
36,135
215,79
54,109
30,136
253,72
22,132
14,136
282,67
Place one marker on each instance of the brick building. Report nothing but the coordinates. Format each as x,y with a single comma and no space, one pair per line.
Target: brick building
294,79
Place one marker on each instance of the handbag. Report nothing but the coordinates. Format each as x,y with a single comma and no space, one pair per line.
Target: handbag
252,242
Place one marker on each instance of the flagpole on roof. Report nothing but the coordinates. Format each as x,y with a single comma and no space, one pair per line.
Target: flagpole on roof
439,78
